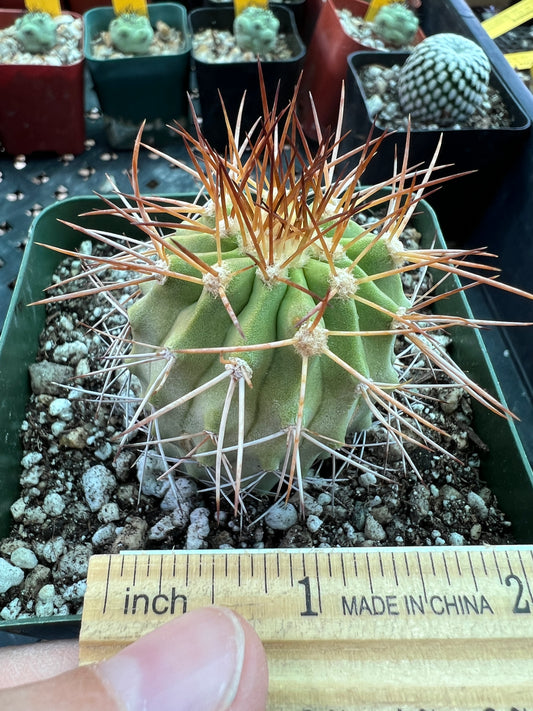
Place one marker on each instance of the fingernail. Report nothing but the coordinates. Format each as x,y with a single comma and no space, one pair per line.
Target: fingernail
193,662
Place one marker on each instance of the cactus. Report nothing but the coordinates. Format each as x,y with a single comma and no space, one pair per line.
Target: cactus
444,80
396,25
256,30
131,33
263,325
36,32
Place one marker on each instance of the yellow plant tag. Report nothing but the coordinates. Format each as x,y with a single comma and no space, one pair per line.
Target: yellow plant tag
508,19
240,5
374,6
136,7
520,60
52,7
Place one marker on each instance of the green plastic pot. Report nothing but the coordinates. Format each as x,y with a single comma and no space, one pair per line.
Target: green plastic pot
505,468
132,89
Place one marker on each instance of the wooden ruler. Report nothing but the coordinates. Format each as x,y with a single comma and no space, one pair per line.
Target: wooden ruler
390,629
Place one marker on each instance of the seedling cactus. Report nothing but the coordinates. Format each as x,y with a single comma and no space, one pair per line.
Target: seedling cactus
444,80
256,30
396,25
131,33
264,319
36,32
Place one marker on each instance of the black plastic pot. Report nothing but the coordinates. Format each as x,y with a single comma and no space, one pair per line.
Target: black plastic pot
297,7
489,152
504,467
504,224
132,89
232,79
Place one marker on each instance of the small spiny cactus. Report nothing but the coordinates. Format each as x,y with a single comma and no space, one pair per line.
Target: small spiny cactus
131,33
396,25
256,30
444,80
264,318
36,32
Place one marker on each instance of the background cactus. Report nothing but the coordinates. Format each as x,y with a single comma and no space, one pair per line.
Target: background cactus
131,33
396,24
444,80
264,317
36,32
256,30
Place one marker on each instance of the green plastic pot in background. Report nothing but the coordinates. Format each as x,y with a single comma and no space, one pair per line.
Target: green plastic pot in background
41,106
133,89
233,79
505,467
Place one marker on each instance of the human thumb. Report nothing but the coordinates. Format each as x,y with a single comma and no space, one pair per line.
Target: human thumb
206,660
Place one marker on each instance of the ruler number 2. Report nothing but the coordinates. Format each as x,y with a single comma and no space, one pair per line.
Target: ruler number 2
308,612
518,607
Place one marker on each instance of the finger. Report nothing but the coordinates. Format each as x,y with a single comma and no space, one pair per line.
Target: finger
205,660
27,663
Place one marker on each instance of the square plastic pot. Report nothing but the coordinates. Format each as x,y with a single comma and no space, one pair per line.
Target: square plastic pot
233,79
505,467
505,220
132,89
489,152
41,106
326,65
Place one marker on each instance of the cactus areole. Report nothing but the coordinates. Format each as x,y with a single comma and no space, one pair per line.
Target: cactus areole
263,316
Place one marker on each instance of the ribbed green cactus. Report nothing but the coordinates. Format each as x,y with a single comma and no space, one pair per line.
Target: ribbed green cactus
396,24
256,30
131,33
270,304
36,32
263,319
444,80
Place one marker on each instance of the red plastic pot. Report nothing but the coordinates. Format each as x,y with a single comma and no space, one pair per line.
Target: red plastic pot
326,64
41,107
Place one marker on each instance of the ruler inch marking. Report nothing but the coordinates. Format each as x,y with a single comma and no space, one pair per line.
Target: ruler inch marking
265,575
370,582
406,564
343,571
422,578
107,583
472,571
483,563
432,561
458,564
394,570
446,568
319,590
525,575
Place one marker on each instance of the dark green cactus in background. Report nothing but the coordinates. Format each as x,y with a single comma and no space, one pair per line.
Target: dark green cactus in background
256,30
36,32
131,33
444,80
396,25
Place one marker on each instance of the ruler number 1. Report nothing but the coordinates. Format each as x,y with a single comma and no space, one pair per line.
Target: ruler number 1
519,606
309,612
